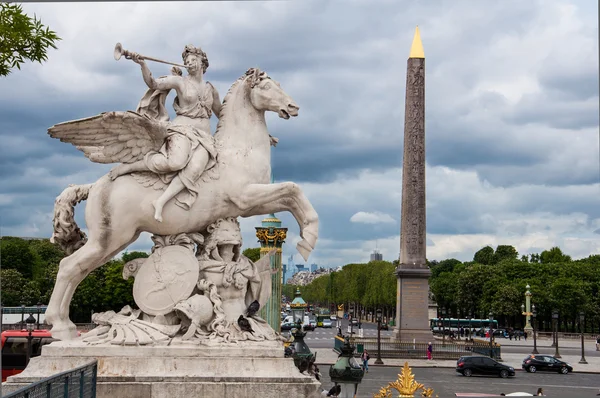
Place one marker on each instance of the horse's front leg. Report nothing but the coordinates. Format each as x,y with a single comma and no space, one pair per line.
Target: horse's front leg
257,199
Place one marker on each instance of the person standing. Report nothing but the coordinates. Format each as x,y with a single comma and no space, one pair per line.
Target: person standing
365,358
429,351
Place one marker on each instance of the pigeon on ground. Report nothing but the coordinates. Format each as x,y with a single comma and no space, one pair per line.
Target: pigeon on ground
244,324
253,308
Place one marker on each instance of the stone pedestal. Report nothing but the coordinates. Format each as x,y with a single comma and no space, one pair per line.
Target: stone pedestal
247,370
412,307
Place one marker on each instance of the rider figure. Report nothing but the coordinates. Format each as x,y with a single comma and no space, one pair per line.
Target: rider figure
189,148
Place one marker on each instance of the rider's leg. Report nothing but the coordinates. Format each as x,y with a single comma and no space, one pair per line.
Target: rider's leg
194,169
126,168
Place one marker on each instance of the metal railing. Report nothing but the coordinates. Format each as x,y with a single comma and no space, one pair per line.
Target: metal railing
410,350
76,383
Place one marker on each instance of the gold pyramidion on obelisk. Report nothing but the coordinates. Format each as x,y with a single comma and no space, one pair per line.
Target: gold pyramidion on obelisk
412,305
416,50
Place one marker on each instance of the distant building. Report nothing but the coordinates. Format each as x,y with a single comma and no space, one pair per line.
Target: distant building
313,267
300,268
376,256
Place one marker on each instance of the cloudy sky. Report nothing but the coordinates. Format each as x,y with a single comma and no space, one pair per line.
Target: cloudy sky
511,105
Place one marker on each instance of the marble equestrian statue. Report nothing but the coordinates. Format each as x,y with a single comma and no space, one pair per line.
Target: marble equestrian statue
174,180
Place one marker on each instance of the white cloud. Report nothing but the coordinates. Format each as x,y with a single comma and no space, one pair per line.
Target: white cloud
371,218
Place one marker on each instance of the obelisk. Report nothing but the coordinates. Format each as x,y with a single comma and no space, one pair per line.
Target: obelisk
412,272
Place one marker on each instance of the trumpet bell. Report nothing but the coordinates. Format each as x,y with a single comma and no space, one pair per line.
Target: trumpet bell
118,51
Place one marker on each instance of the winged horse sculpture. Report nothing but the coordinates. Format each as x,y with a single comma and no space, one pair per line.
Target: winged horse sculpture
119,209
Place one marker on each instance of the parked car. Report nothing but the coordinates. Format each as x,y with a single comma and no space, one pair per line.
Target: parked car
533,363
384,326
327,323
472,365
14,349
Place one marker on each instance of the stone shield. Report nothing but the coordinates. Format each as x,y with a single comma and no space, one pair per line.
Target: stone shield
168,276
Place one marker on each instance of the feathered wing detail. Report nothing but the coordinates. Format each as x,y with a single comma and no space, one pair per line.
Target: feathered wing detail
113,137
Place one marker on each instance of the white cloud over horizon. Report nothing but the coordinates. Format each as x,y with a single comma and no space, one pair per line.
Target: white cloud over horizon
511,114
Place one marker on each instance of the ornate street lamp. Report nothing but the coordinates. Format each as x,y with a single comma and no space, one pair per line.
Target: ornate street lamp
534,314
350,317
555,320
301,350
443,325
30,321
347,371
581,319
39,309
378,361
491,316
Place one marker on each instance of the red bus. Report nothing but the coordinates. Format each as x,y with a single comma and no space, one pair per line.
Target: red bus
14,349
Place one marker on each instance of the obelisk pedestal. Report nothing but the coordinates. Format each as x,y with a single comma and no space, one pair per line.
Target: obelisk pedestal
412,318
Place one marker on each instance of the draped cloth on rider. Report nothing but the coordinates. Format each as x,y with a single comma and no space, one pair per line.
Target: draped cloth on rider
178,154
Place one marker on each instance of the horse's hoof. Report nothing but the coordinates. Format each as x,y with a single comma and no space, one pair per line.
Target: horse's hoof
64,332
304,249
310,238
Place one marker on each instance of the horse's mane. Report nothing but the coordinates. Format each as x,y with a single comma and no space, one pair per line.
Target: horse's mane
250,74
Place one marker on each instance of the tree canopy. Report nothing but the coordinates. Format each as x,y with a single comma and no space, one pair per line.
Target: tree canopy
22,38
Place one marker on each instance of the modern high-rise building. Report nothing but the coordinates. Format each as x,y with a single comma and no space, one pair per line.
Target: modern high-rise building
376,256
313,267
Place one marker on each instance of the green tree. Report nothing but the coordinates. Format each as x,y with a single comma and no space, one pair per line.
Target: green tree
505,252
253,253
444,266
22,38
484,256
17,255
127,257
554,255
17,290
117,292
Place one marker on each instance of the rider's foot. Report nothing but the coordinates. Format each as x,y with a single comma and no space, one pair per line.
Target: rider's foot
118,171
157,211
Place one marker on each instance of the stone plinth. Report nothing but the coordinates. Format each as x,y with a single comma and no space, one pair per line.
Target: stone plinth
412,305
247,370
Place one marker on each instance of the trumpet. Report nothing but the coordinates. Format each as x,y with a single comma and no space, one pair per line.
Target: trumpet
120,51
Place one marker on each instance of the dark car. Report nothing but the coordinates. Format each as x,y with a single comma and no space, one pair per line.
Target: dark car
533,363
384,326
473,365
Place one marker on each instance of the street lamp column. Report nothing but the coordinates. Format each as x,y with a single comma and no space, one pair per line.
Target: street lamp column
30,321
491,315
555,319
527,311
581,319
534,313
378,361
443,325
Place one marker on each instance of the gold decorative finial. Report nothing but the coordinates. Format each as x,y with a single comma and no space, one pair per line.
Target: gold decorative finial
406,386
416,50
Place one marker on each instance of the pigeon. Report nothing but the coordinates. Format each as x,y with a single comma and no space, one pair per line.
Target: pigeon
303,365
244,324
253,308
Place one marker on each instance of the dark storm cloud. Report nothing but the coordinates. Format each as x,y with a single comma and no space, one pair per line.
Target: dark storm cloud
344,63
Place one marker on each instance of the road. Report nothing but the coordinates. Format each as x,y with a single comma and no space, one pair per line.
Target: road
323,338
446,382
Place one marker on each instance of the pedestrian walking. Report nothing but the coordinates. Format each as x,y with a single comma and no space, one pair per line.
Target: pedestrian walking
598,343
429,351
365,358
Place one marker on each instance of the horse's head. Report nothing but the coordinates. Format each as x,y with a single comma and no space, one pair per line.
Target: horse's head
267,95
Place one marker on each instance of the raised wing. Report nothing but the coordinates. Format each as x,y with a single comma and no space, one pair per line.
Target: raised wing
113,137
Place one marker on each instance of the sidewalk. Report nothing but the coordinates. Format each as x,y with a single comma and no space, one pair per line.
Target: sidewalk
326,356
